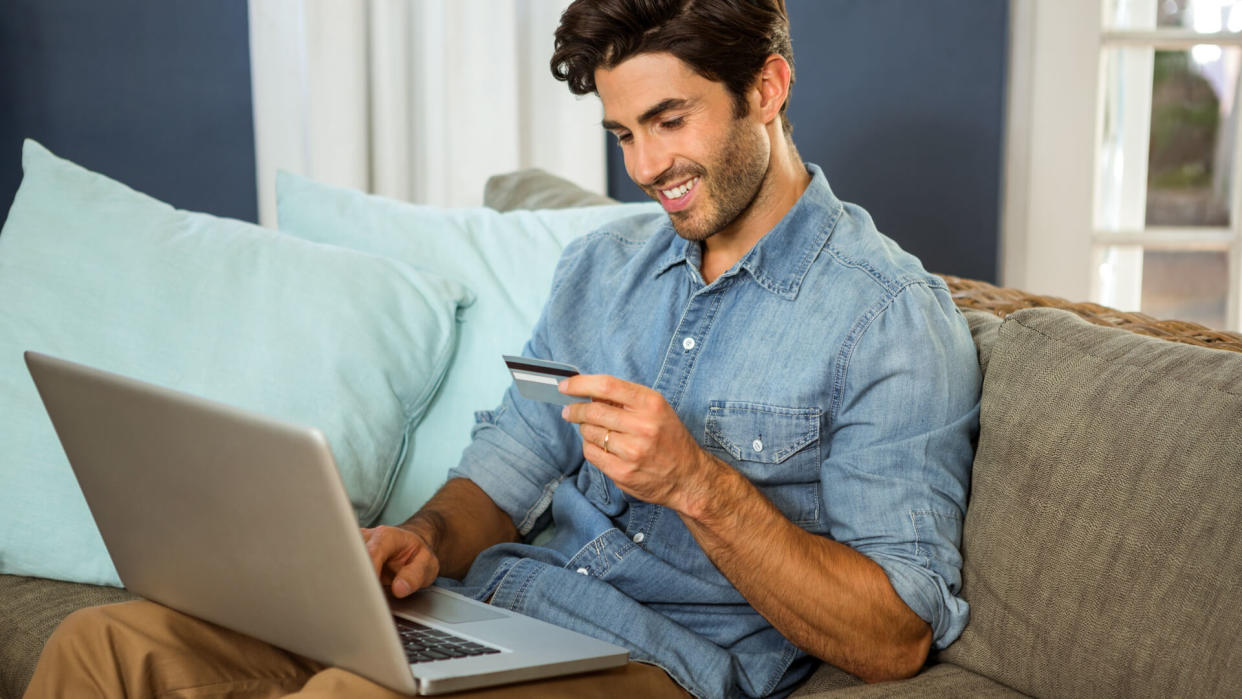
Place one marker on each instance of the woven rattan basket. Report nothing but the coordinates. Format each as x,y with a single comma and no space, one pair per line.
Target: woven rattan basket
968,293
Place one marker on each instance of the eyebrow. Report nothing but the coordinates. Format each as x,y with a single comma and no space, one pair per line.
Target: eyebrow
650,114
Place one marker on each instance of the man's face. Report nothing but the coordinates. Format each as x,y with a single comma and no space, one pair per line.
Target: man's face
682,142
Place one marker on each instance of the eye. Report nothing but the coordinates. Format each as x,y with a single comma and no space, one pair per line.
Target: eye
624,138
672,123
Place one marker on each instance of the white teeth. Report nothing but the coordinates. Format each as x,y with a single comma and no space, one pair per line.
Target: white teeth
679,192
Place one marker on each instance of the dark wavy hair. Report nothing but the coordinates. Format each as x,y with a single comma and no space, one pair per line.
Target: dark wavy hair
722,40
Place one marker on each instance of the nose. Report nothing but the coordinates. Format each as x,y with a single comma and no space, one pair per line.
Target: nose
647,160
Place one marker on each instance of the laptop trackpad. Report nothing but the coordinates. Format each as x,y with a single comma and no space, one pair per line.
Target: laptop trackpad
446,608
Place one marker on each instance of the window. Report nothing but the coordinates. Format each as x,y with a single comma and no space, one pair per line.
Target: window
1122,149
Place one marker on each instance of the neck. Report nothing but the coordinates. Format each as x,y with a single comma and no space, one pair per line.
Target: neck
784,182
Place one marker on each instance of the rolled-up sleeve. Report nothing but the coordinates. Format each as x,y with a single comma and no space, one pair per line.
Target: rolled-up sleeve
903,424
520,452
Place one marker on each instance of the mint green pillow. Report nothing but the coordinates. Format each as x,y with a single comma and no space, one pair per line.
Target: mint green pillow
506,259
94,272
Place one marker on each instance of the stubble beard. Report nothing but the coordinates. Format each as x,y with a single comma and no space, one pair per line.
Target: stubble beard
731,189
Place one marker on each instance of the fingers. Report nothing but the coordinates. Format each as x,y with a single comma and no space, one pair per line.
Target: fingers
418,573
384,544
401,559
603,414
602,387
603,439
595,413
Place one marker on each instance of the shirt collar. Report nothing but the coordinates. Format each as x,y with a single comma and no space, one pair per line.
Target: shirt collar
781,258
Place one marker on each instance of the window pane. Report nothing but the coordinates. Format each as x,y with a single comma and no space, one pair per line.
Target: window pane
1186,285
1205,16
1190,159
1167,139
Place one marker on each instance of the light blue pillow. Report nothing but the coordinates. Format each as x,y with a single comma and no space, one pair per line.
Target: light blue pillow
506,259
94,272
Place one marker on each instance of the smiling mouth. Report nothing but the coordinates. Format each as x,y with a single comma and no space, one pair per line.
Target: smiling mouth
681,190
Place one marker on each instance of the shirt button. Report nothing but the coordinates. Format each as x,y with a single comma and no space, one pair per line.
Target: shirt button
584,571
688,343
638,538
756,445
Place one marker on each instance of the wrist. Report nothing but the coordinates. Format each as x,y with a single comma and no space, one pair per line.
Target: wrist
427,525
714,495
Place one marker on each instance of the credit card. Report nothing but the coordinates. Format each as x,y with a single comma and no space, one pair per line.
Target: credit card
537,379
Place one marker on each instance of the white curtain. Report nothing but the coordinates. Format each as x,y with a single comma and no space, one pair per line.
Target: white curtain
419,100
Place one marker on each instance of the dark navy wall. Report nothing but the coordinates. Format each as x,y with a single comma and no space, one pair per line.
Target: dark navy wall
155,94
902,103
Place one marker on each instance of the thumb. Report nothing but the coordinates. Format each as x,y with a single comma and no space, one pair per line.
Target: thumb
401,588
419,571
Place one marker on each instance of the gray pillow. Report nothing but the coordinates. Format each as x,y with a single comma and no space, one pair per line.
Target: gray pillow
535,189
983,329
1100,544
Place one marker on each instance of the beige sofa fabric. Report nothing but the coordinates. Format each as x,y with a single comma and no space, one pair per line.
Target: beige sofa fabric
1101,549
536,189
983,329
30,609
943,680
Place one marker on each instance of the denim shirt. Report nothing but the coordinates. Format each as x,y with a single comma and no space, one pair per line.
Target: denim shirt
826,365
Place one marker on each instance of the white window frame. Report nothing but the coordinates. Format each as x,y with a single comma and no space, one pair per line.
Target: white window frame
1049,235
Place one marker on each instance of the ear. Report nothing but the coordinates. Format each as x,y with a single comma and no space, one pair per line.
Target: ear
772,87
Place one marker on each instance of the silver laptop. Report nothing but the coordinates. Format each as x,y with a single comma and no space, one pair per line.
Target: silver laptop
242,520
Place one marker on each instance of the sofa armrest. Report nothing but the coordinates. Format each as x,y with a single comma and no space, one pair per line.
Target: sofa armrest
1001,301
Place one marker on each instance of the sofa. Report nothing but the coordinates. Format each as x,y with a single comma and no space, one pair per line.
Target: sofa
1100,553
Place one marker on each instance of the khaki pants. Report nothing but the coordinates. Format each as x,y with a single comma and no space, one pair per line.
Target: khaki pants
142,649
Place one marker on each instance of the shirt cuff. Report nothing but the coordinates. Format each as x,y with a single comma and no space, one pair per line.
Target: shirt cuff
928,596
511,475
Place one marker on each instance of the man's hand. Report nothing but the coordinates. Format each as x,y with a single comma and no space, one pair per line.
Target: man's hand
862,625
633,435
441,539
401,558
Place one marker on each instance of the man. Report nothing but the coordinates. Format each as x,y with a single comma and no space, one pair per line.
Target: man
772,468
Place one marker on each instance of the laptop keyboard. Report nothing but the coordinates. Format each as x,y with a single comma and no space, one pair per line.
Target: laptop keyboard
424,644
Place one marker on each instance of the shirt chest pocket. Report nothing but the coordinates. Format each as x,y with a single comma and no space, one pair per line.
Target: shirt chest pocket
776,448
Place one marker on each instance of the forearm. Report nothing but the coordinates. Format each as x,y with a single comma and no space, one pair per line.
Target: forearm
458,523
825,597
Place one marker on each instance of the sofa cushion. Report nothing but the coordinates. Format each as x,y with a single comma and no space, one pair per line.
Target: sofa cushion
983,329
533,188
97,273
1100,548
940,680
30,609
506,259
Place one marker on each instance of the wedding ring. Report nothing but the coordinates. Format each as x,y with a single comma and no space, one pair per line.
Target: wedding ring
606,436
